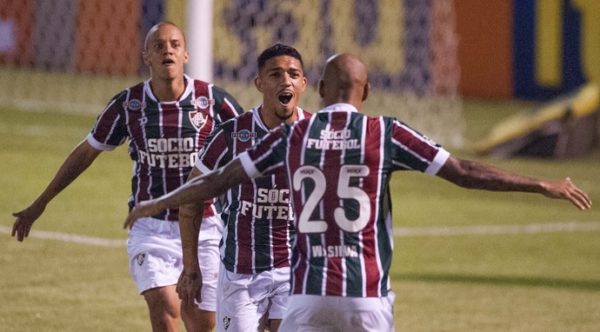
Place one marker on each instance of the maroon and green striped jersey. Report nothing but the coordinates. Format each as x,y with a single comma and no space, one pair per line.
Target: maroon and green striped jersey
257,213
164,137
339,164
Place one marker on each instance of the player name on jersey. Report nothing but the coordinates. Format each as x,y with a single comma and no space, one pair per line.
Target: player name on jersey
335,251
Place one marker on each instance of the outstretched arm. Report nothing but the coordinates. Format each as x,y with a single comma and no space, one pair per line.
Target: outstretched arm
476,175
190,218
76,163
199,189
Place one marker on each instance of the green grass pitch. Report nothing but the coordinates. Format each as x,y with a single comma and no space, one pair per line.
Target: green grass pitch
479,282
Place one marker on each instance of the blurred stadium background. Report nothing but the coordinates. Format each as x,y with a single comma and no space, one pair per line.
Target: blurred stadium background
424,56
74,55
450,68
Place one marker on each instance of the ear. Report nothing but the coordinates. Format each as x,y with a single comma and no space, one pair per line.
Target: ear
366,91
186,56
146,57
321,89
304,83
258,83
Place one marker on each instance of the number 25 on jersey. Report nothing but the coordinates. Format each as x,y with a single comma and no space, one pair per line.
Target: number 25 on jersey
344,191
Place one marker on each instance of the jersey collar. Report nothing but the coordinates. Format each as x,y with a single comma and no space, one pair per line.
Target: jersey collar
339,107
189,86
256,114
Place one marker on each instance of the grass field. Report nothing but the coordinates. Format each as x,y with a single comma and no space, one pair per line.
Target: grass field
548,281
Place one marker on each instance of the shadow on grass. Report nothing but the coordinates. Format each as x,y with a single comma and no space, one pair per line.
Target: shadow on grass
592,285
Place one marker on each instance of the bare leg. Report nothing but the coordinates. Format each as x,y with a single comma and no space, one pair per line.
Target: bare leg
197,320
163,305
274,325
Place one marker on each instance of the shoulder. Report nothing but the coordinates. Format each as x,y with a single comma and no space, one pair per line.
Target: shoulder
306,113
201,83
231,124
133,91
119,101
122,95
227,125
216,91
130,98
386,121
218,97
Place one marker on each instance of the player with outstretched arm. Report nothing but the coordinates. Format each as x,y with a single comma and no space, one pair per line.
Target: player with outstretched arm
339,164
166,120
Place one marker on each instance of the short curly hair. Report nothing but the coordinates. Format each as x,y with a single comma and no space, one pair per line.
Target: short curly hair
278,50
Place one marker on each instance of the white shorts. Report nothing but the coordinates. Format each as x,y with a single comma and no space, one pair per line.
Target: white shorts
155,258
308,313
244,299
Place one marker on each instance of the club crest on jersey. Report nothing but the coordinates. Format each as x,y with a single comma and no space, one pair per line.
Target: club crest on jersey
243,135
140,259
203,103
197,119
134,104
226,322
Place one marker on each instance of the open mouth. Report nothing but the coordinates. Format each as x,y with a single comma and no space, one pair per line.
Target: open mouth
168,62
285,98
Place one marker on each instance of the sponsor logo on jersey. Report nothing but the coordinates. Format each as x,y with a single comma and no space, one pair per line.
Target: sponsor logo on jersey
243,135
134,104
269,204
334,140
197,119
169,152
203,103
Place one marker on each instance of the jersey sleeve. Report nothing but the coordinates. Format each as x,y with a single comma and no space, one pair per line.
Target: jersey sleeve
413,151
110,129
226,107
216,152
267,154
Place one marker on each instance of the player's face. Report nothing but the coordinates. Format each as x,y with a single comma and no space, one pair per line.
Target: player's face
281,82
165,52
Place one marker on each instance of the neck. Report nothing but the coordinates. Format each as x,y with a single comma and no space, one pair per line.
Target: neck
168,90
272,120
354,99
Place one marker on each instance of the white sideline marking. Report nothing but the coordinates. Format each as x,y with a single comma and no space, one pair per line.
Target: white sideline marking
577,226
66,237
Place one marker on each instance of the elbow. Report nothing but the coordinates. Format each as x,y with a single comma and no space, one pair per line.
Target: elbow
459,172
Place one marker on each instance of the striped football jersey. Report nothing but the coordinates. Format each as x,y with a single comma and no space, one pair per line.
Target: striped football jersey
257,213
339,164
164,137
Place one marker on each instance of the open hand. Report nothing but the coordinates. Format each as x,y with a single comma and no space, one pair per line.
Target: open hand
25,220
142,209
566,189
189,286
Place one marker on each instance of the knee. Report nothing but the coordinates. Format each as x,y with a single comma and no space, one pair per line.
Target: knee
197,320
163,305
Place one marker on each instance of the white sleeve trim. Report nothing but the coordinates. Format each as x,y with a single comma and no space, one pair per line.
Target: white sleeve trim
99,146
248,165
438,162
201,167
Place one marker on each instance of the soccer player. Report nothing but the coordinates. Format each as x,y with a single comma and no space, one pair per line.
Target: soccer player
339,164
166,120
255,253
